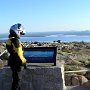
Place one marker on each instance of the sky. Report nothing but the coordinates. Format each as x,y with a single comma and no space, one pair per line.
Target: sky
45,15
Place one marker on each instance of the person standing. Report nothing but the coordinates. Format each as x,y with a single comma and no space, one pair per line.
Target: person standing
16,58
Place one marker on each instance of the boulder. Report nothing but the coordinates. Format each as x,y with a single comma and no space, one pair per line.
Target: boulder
75,80
68,80
82,79
1,63
87,84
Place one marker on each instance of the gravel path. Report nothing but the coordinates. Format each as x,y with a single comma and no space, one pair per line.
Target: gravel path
76,88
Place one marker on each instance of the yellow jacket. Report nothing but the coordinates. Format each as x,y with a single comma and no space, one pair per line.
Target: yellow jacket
14,47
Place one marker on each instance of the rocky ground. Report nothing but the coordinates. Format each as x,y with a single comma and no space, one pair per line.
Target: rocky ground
74,55
77,88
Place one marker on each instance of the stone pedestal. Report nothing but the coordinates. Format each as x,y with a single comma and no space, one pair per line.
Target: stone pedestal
36,78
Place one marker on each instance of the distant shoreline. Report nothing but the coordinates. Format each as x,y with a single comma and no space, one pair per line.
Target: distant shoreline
64,36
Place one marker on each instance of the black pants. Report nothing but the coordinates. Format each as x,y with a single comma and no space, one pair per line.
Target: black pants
16,75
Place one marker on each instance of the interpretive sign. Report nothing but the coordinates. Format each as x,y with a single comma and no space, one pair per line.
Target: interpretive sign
40,54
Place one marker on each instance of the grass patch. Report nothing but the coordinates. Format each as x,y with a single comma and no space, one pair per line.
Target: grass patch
71,68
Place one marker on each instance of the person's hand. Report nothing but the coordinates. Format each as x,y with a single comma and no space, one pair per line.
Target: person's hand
25,67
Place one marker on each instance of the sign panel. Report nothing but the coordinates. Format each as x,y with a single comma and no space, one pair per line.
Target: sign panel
40,55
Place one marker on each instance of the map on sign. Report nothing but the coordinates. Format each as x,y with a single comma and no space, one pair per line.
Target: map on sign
40,54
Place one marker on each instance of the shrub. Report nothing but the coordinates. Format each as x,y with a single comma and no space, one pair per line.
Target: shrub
87,75
80,73
72,68
66,50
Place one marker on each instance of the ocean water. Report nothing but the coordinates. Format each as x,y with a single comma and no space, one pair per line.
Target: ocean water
64,38
50,38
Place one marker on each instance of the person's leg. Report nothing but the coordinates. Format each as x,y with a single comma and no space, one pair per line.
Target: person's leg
16,78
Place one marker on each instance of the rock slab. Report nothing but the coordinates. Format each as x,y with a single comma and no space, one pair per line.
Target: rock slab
36,78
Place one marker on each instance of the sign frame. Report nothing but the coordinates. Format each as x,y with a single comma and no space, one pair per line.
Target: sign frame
51,59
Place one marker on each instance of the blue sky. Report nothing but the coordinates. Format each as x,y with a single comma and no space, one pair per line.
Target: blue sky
45,15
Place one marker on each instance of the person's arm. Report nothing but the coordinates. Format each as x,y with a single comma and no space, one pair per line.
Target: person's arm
17,46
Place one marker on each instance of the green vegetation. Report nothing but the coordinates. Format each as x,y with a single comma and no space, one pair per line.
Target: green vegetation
87,75
80,73
66,50
71,68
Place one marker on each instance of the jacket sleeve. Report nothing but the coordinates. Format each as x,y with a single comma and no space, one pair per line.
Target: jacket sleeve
17,46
